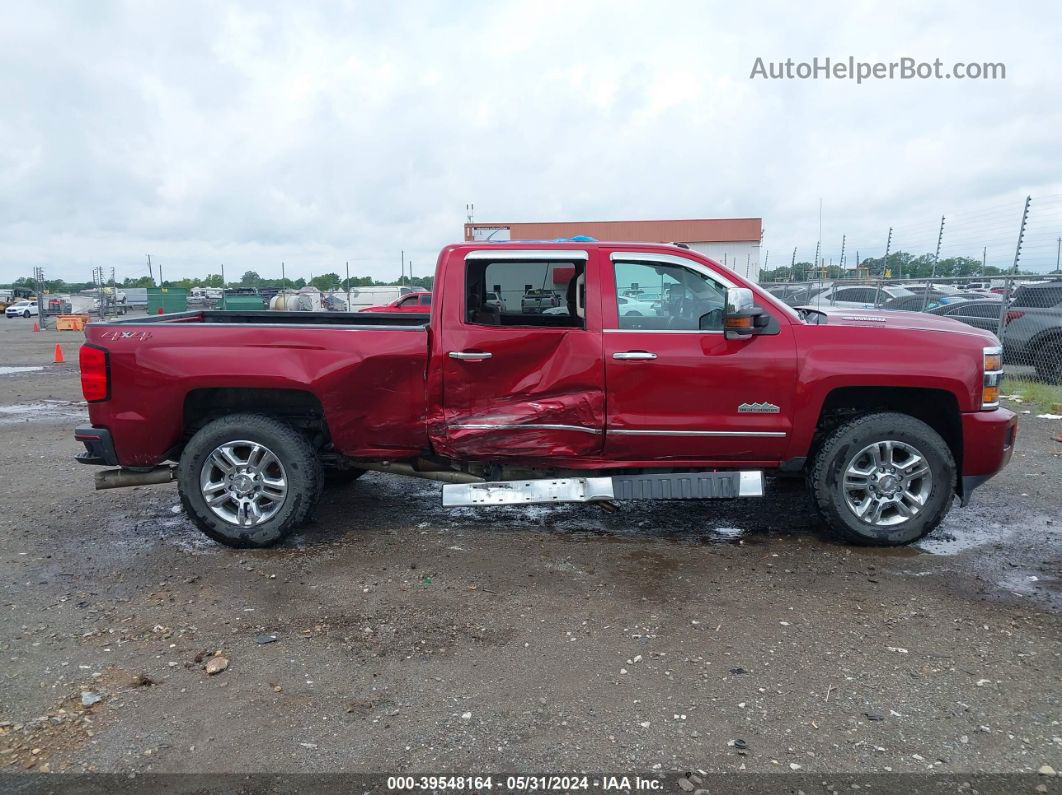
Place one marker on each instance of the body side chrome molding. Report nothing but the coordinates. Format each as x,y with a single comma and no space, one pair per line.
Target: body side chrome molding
521,426
529,426
630,432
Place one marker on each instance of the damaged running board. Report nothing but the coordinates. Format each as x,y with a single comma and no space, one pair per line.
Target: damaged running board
665,486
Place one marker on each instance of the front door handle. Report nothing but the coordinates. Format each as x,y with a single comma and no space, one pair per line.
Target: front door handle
634,355
469,356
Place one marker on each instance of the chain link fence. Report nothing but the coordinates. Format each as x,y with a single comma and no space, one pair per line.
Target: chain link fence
1024,312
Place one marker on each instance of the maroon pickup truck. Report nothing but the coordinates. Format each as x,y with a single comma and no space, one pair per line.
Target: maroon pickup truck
692,392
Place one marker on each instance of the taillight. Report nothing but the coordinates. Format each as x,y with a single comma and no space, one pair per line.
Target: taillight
1013,314
95,373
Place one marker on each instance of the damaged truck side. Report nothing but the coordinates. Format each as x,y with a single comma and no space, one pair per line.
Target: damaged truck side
655,374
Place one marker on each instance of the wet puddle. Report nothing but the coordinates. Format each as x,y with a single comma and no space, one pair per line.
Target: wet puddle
5,370
41,410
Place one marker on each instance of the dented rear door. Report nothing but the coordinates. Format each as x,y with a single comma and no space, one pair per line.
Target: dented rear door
512,390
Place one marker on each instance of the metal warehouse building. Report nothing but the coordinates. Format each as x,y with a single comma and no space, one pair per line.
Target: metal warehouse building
734,242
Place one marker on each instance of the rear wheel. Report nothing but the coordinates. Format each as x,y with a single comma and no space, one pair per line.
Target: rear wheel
248,481
883,479
26,314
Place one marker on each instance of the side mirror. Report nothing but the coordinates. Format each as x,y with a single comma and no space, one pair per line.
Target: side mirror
741,315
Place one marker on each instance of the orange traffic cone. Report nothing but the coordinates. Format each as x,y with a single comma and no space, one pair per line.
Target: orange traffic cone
58,355
161,311
36,327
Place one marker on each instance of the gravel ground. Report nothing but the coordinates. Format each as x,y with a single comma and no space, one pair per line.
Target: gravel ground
392,635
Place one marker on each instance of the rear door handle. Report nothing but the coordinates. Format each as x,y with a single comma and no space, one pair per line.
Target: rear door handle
469,356
634,355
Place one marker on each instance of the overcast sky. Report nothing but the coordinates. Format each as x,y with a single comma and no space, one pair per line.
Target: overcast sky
254,133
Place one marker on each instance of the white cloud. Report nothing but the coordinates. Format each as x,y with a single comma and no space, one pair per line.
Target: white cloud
251,133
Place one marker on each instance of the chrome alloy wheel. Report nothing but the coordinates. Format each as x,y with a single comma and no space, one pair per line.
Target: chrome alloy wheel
887,483
243,483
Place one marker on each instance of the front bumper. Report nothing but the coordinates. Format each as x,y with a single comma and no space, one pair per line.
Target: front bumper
99,447
987,444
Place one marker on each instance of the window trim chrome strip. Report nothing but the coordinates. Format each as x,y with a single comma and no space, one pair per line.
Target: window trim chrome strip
552,255
660,331
636,432
521,426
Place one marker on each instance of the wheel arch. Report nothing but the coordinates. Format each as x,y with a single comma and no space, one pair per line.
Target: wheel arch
299,408
937,408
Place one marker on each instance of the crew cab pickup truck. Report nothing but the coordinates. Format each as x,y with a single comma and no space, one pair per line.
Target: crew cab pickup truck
889,416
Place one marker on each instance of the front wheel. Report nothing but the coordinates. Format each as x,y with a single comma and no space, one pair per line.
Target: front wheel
26,314
248,481
883,479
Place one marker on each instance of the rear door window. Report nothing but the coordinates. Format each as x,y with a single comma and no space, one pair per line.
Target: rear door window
516,293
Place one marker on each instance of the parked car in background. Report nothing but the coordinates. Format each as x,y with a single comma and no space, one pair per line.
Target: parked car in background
538,301
792,294
22,309
1033,334
419,303
919,302
634,307
865,296
979,314
495,300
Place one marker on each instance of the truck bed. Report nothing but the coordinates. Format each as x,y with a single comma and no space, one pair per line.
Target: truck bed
363,372
348,320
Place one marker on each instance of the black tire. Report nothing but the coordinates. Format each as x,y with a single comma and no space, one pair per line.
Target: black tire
841,447
26,314
302,470
341,477
1048,362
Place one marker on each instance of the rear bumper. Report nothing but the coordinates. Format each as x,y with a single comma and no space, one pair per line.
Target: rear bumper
99,447
988,443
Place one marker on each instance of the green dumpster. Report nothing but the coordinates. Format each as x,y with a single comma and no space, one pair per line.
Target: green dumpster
242,303
167,299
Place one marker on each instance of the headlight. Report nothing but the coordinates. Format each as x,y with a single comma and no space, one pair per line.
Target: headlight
993,376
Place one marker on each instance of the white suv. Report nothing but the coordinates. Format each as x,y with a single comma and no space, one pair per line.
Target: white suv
22,309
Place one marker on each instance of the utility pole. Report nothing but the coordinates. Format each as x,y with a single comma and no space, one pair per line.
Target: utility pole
792,266
151,274
348,285
160,274
1008,285
400,278
1058,256
940,239
38,277
933,271
885,263
984,260
844,239
283,275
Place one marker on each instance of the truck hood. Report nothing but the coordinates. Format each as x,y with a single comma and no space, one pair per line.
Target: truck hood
915,321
